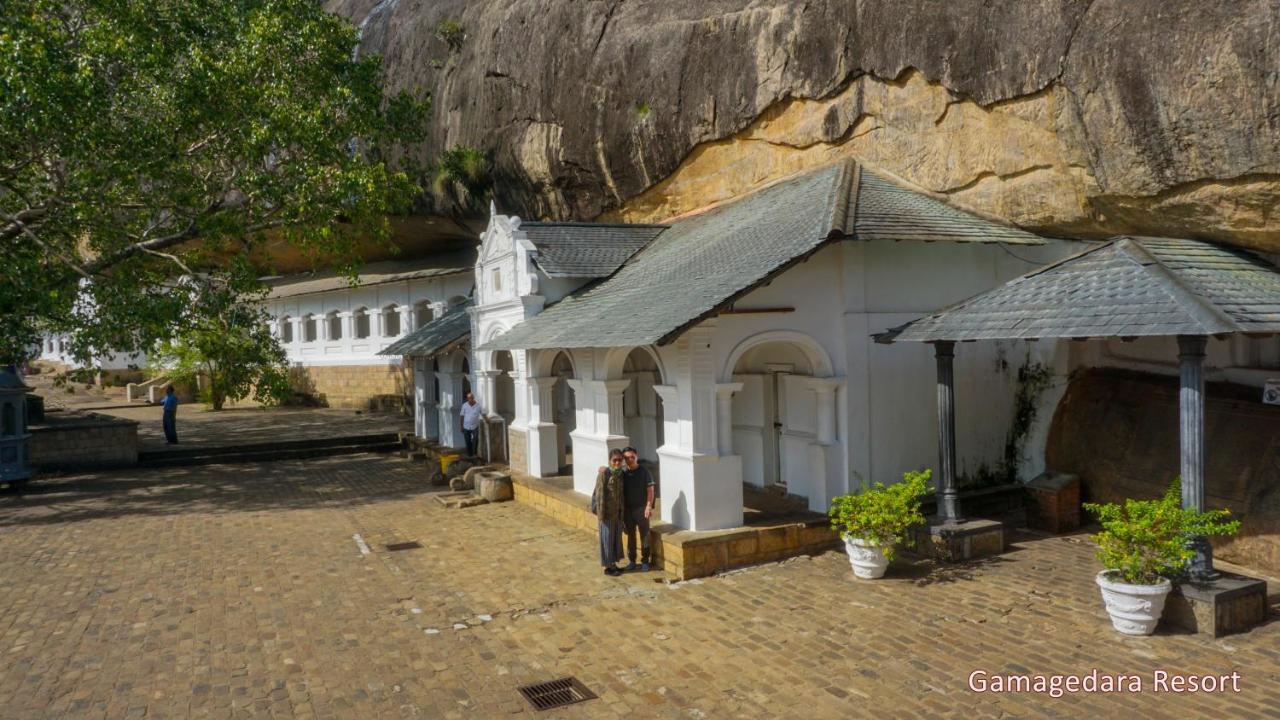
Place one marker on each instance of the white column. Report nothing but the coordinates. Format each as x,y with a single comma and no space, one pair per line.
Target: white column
544,456
375,325
486,388
420,397
600,402
825,391
450,402
724,416
824,481
701,488
348,326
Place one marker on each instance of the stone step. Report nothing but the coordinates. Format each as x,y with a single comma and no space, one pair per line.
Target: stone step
264,452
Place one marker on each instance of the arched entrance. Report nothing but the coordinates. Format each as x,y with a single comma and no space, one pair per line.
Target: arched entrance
504,385
564,411
641,405
775,418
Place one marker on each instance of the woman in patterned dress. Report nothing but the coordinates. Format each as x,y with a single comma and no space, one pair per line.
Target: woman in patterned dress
607,504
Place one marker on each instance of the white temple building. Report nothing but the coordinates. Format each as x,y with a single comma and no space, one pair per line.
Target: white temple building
733,345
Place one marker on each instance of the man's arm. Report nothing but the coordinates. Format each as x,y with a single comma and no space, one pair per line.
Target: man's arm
648,503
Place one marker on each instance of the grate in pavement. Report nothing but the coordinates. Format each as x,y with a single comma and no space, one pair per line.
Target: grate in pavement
556,693
411,545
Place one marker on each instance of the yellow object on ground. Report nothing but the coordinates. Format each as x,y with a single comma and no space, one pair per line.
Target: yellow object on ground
445,460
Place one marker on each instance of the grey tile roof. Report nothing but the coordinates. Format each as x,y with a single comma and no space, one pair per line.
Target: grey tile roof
695,266
586,250
886,211
1128,287
705,260
374,273
436,336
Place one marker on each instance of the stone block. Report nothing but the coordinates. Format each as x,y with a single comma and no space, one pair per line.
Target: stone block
959,541
494,486
1229,604
744,548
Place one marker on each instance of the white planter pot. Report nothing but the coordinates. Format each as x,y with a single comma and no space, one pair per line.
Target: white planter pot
1134,609
867,558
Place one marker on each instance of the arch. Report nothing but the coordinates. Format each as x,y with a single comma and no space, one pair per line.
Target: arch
615,361
543,362
333,325
360,323
308,328
391,324
819,361
422,313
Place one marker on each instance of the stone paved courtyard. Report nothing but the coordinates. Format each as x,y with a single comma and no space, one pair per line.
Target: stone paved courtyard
239,591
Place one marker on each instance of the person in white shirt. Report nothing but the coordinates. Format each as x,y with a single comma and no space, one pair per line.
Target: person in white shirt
471,417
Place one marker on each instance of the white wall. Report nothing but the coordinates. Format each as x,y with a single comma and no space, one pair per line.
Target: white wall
349,350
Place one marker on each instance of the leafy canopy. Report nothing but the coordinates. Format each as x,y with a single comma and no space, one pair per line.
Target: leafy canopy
228,346
144,140
1144,540
882,515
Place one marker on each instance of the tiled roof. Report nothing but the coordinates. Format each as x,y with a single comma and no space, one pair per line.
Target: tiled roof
886,211
1128,287
374,273
436,336
704,261
586,250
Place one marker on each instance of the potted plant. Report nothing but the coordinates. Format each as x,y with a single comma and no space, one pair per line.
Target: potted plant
874,520
1143,543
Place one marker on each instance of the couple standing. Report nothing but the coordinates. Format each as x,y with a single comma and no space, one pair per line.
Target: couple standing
623,503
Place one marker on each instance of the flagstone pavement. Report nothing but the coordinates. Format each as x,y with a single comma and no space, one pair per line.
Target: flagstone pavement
241,591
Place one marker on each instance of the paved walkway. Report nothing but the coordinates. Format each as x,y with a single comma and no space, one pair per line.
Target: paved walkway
238,591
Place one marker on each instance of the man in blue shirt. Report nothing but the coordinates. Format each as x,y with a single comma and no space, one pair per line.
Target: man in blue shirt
170,405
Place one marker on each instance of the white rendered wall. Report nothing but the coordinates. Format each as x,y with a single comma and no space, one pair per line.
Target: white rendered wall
348,349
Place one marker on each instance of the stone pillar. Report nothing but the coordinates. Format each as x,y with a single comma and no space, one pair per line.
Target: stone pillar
348,325
486,388
724,416
375,324
824,390
1191,352
948,500
544,455
450,401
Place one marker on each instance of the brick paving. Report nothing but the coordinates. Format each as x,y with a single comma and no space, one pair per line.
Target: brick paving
239,591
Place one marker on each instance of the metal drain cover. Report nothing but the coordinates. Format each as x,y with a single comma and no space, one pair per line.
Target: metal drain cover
411,545
556,693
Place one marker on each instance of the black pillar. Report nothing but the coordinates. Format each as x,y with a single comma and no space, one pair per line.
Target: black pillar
948,502
1191,441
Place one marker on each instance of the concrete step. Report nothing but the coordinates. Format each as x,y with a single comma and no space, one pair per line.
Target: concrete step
265,452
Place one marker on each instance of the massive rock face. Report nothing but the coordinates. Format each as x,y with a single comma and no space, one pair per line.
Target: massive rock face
1079,117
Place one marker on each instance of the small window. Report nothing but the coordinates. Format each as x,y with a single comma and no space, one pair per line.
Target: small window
309,329
361,318
335,326
423,314
497,281
391,321
286,330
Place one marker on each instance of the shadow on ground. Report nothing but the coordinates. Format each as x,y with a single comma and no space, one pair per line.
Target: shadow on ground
294,485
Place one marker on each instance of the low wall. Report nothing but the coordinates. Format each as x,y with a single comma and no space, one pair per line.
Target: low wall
685,554
1118,431
357,387
83,442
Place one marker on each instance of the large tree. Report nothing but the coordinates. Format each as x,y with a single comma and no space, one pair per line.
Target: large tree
143,141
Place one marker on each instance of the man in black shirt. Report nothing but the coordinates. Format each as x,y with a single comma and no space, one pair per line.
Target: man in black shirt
637,490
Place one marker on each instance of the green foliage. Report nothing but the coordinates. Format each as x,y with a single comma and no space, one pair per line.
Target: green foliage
144,140
879,514
230,346
642,111
451,33
463,179
1143,540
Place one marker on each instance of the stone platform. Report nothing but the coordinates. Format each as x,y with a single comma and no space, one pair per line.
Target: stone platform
957,542
772,531
1232,603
